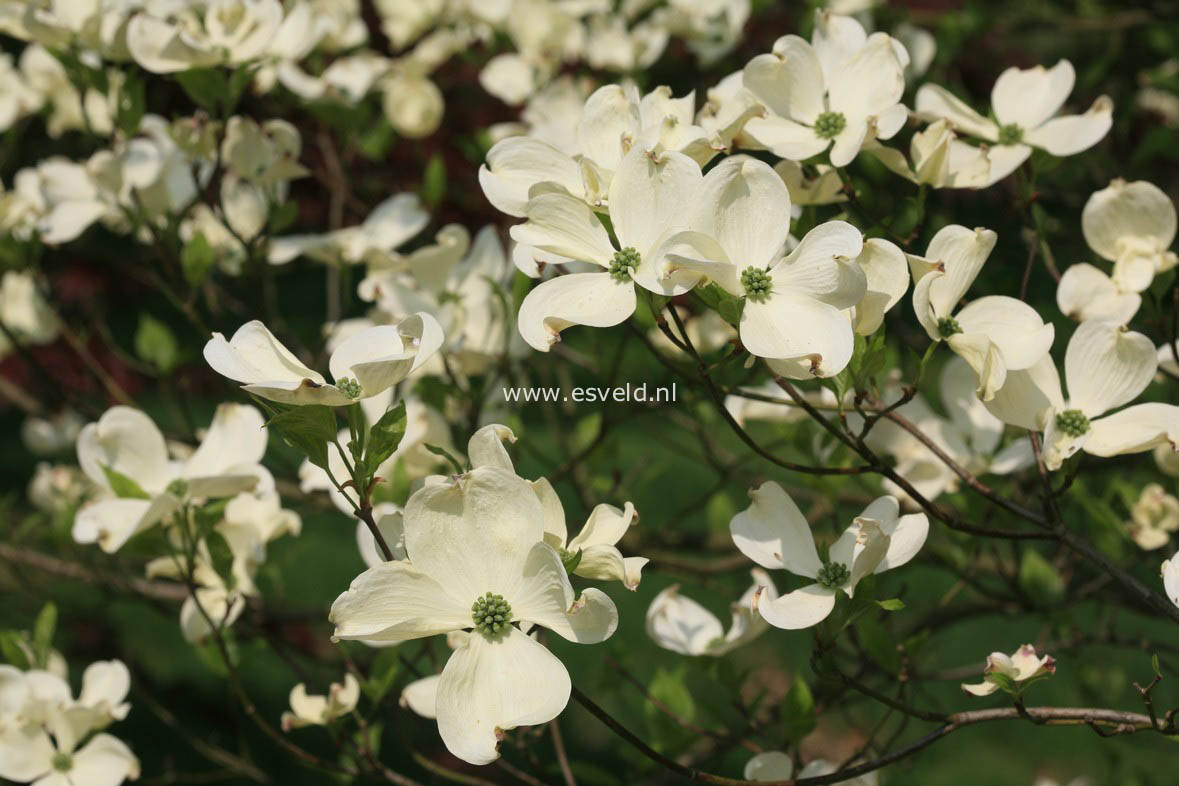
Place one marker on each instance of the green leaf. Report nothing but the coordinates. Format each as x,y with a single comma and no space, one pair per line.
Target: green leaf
1154,664
1039,579
238,81
878,644
892,604
382,675
383,438
155,344
444,453
131,103
434,181
197,259
222,556
13,650
670,687
206,87
571,561
798,711
282,216
43,630
375,143
308,429
124,486
1004,682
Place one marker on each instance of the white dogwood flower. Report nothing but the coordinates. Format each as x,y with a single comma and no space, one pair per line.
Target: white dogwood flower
1025,103
1170,573
676,622
592,553
315,710
388,226
477,560
938,159
125,454
1007,671
1153,517
773,533
838,91
994,334
650,198
175,35
1132,225
777,766
1106,366
365,365
1086,292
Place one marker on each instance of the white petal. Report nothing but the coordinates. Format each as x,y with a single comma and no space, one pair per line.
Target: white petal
112,522
846,146
906,537
800,328
1012,325
1085,292
1029,396
392,528
789,81
489,687
555,533
605,526
799,609
562,224
1139,210
546,598
680,624
255,356
1170,571
1028,97
773,532
985,358
104,761
473,533
744,206
594,299
376,358
106,682
127,441
887,275
395,601
869,83
236,438
26,753
651,194
785,138
1134,429
962,252
1106,366
823,266
609,123
936,101
421,696
516,164
769,766
1069,135
486,447
836,38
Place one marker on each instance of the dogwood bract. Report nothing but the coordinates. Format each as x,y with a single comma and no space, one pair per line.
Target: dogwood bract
1025,102
994,334
476,559
838,91
1008,671
1133,226
773,533
1105,366
125,454
650,198
680,624
365,365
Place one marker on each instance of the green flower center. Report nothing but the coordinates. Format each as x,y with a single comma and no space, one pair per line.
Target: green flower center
491,613
62,762
349,387
623,263
1010,134
1072,422
756,283
178,487
833,575
830,124
948,326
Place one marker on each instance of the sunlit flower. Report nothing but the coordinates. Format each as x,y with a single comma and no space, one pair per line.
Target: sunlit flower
1007,672
680,624
315,710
